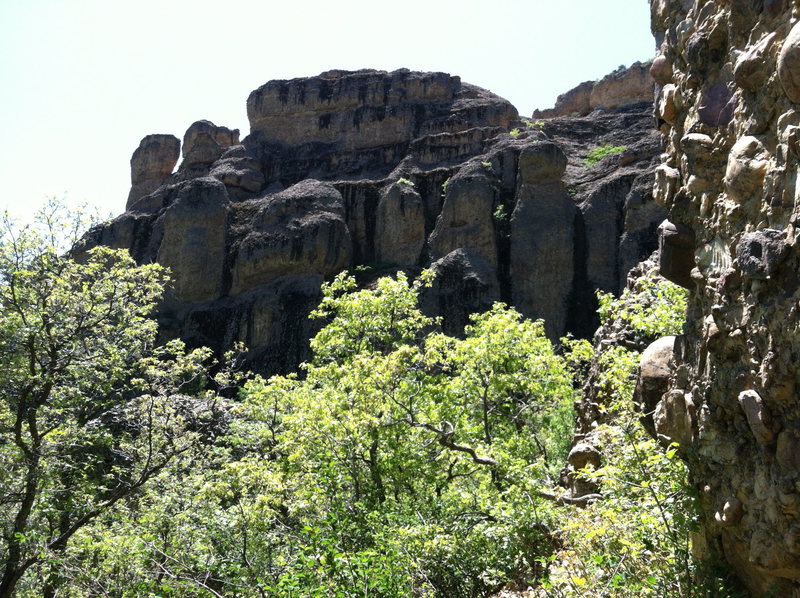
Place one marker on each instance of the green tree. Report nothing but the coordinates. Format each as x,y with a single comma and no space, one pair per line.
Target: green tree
405,444
89,410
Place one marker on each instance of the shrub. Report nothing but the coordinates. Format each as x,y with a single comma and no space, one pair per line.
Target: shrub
597,154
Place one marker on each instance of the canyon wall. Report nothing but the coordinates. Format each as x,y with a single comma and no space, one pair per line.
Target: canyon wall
728,108
372,172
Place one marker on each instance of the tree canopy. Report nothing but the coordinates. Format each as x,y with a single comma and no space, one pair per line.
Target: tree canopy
90,410
399,461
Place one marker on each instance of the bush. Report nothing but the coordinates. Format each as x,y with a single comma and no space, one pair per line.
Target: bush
597,154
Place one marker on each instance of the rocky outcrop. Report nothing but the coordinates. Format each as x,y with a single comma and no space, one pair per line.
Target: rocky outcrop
152,163
399,226
729,115
623,87
542,237
617,219
386,171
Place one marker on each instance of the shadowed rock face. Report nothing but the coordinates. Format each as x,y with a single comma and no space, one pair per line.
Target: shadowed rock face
385,171
729,115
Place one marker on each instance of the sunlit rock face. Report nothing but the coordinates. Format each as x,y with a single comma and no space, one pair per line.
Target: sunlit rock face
624,87
729,113
374,172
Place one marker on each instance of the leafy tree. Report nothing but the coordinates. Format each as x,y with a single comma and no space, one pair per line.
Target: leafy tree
636,540
89,410
410,443
402,462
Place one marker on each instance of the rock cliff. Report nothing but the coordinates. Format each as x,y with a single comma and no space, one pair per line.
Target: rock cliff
380,171
729,111
625,86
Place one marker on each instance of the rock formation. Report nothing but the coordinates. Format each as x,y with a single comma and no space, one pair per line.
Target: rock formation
729,112
623,87
386,171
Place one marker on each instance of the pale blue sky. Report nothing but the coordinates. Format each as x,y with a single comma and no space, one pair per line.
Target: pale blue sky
84,80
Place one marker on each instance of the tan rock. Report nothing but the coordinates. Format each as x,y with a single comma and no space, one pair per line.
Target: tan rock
622,87
193,242
673,419
203,144
661,70
466,217
575,101
789,64
757,415
655,367
667,182
365,109
151,164
197,133
731,512
399,226
746,169
750,70
668,104
298,231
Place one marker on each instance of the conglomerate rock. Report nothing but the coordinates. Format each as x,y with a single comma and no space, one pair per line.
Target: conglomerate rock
387,171
729,116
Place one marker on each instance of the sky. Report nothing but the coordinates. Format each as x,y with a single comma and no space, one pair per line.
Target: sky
83,81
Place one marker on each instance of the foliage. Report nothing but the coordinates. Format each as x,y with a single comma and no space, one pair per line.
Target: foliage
398,462
405,181
535,124
444,185
654,307
514,132
403,463
500,213
600,152
89,411
636,541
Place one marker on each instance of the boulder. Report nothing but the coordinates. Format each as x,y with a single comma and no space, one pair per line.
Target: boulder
239,169
789,65
399,226
466,216
299,231
193,231
655,367
203,144
151,164
676,253
673,419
